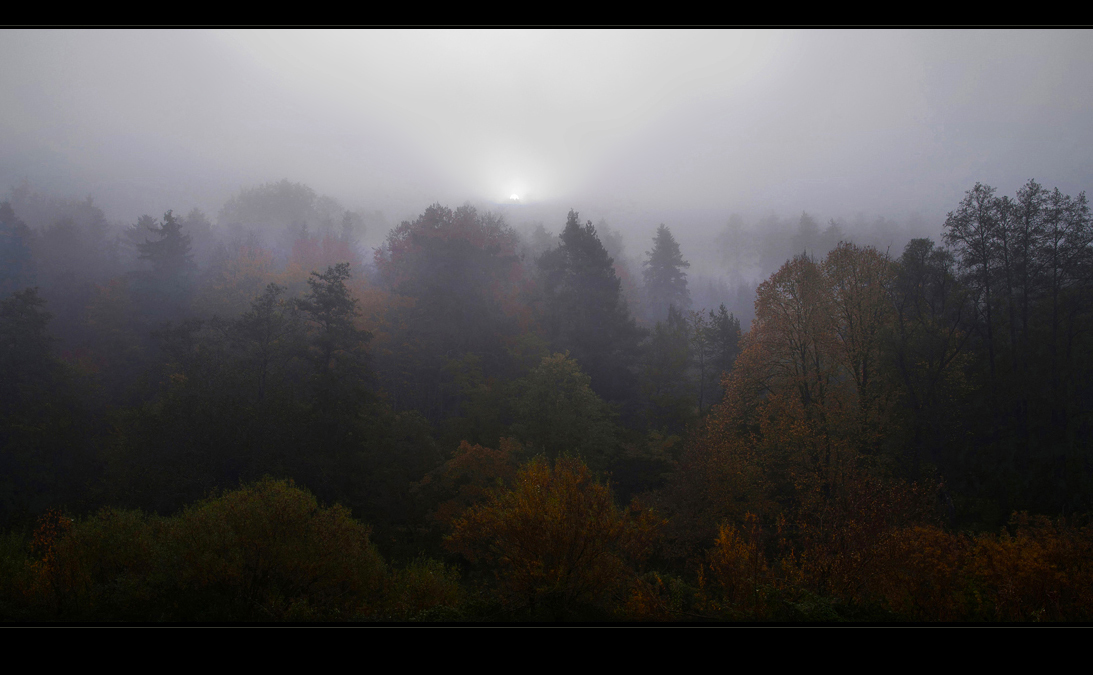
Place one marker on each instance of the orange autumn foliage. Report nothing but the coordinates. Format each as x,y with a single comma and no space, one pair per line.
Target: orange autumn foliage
1039,572
470,475
556,543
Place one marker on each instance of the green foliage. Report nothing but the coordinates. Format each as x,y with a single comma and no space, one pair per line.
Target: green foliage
264,552
558,413
169,254
269,552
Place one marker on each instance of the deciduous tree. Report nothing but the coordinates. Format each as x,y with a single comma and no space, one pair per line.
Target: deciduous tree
560,548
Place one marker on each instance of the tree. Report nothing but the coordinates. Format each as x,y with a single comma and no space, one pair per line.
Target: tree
459,287
557,413
169,254
266,335
45,458
26,365
701,351
666,374
463,269
665,280
793,330
930,310
266,551
282,204
296,215
336,348
972,231
584,312
857,280
560,547
16,259
723,338
165,291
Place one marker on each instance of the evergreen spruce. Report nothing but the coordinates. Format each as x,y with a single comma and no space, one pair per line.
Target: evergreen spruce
665,280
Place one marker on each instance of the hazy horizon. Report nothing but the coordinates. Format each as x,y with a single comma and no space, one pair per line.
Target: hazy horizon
633,126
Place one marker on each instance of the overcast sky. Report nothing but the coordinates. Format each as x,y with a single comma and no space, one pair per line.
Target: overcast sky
613,122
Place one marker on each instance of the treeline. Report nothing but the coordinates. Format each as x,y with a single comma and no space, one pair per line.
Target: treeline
491,402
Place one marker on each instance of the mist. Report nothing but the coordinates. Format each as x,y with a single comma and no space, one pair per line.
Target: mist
544,325
632,126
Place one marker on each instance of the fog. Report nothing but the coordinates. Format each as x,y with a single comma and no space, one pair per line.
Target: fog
542,325
633,127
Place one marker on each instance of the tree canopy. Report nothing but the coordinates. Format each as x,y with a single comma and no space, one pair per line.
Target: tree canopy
665,280
584,312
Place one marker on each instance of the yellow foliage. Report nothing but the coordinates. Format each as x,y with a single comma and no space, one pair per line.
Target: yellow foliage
558,545
735,576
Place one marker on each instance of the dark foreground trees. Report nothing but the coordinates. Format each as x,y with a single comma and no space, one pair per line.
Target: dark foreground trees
265,552
1027,266
560,547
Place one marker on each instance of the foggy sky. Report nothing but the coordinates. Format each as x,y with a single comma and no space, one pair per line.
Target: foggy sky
631,125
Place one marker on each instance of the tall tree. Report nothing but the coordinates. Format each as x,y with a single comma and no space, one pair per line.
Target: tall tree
336,343
665,280
972,232
723,336
461,283
666,374
169,253
930,316
166,289
857,279
585,312
16,258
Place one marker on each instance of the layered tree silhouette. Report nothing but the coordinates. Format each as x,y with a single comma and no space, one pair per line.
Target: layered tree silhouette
664,276
584,312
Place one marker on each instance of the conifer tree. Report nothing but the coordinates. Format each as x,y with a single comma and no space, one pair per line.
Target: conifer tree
585,312
169,254
164,293
665,280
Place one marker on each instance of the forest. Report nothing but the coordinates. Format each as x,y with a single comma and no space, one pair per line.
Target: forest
251,418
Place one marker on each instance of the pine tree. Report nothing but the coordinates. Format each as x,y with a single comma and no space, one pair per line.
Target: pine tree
164,293
585,313
724,342
16,259
665,280
170,253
